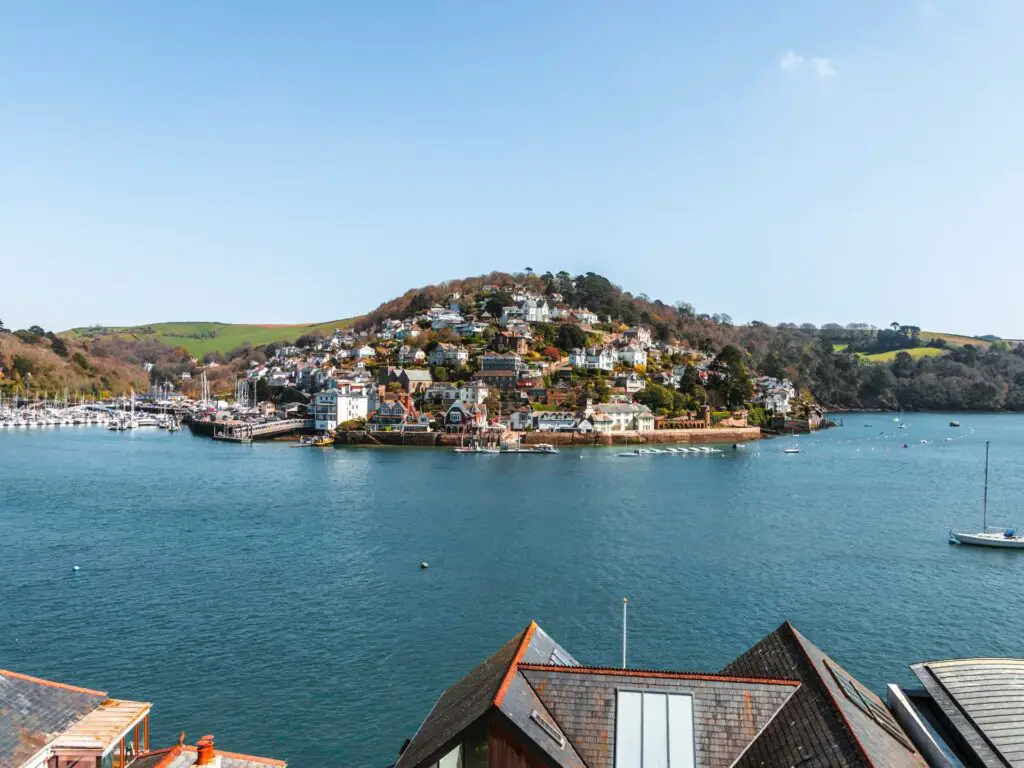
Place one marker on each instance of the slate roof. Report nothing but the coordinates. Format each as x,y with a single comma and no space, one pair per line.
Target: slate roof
34,712
983,700
820,726
184,756
729,712
461,705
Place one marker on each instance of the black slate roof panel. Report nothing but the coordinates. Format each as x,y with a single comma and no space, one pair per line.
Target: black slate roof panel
33,712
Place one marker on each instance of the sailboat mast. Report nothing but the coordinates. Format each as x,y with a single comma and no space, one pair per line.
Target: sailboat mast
984,524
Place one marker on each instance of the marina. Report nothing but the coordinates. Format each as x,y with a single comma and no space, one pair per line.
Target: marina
279,549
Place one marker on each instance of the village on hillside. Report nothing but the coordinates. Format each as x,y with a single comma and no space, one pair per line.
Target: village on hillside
508,358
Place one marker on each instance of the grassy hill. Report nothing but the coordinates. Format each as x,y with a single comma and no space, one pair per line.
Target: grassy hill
917,353
955,340
202,337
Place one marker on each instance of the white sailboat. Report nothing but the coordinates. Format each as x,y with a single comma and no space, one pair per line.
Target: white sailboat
1006,538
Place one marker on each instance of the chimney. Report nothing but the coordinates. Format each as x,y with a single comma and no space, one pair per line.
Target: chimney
206,754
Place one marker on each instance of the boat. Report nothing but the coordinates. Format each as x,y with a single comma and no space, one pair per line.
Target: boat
544,448
630,454
793,448
1007,538
954,423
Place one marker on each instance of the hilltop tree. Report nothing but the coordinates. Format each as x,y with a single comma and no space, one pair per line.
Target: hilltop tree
570,337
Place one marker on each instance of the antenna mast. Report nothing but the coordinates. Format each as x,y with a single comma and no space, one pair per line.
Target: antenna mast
625,602
984,524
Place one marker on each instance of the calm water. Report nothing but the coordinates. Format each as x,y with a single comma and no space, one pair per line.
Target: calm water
272,596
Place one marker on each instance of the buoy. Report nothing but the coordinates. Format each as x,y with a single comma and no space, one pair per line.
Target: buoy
424,565
75,568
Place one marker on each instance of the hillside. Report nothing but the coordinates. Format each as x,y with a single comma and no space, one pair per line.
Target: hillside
200,338
844,366
33,363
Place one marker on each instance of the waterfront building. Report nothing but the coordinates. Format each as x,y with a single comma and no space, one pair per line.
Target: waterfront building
465,417
626,416
44,724
441,392
334,406
782,703
556,421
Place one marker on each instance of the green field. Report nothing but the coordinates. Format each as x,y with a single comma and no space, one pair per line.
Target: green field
839,347
916,353
955,340
202,337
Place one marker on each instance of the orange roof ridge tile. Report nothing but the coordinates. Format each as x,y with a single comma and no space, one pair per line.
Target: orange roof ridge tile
513,668
51,683
659,673
240,756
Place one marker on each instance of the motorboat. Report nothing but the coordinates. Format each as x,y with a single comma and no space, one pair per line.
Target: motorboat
544,448
630,454
954,423
1007,538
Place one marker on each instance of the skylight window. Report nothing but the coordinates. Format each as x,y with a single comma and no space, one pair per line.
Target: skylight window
864,701
653,730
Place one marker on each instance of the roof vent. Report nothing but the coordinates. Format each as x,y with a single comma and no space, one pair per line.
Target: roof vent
548,727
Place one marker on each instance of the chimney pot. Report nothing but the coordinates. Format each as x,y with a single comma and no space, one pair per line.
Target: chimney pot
204,748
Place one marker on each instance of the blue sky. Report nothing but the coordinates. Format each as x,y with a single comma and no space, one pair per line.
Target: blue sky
851,160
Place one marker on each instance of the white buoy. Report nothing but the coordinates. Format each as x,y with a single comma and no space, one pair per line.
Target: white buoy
424,565
75,568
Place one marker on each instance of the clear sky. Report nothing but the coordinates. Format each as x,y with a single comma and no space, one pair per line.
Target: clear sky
793,160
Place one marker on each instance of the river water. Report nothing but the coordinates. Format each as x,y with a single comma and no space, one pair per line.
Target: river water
273,596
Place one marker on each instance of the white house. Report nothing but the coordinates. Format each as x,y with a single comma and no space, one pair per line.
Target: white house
521,419
364,352
536,312
556,421
334,406
474,392
585,316
633,354
625,417
593,359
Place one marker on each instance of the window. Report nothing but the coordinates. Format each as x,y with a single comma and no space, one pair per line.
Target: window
654,730
865,701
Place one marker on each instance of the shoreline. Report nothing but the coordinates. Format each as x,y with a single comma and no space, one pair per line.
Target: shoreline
451,439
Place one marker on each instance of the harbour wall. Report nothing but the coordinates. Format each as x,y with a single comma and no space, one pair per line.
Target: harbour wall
674,436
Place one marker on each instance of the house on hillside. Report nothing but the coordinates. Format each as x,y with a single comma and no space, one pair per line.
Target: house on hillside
633,355
640,335
593,359
411,355
556,421
411,380
448,354
631,382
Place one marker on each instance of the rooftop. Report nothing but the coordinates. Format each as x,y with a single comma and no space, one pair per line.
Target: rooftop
104,726
34,712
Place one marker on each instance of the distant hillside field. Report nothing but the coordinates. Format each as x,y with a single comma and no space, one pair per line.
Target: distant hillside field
202,337
917,353
955,340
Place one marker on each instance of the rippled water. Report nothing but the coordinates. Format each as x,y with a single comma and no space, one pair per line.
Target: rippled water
273,596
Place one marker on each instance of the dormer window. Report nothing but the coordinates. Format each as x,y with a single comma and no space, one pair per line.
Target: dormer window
654,730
